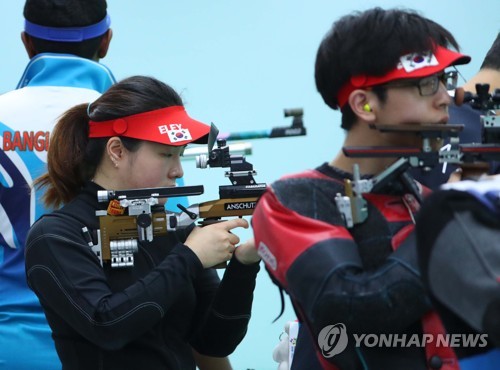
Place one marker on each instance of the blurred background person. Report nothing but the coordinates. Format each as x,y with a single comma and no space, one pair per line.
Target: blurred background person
65,41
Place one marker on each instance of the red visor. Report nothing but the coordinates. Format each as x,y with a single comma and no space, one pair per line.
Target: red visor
170,126
413,65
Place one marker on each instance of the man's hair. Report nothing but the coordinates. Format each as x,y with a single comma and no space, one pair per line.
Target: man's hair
492,59
66,13
371,43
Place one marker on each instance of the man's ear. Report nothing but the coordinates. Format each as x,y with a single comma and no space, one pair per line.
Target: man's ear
28,44
363,104
103,47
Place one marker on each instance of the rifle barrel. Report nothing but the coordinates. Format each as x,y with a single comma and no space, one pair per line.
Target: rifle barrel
162,192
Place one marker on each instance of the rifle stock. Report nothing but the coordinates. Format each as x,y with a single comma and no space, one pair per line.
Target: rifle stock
221,208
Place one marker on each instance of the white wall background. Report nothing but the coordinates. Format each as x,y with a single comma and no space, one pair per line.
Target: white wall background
239,64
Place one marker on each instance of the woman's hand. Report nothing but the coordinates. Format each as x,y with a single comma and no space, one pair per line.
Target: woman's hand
214,244
246,253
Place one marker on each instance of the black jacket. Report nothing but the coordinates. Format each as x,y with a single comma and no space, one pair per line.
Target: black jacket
148,316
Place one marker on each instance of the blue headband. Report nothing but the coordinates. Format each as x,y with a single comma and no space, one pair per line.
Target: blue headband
67,34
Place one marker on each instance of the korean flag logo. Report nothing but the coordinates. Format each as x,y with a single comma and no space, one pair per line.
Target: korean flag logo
177,134
413,61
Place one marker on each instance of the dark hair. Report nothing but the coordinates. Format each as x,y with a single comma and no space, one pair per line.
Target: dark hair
66,13
371,43
72,157
492,58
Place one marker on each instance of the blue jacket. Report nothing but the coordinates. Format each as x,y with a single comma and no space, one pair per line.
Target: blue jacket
50,85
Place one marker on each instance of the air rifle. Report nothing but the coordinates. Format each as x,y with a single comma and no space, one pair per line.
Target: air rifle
135,216
295,129
462,154
245,148
353,206
132,216
238,199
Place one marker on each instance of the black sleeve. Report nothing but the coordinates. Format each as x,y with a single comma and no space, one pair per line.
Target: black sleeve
68,279
225,323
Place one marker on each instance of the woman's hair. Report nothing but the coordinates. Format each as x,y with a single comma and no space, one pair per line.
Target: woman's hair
66,13
72,157
370,43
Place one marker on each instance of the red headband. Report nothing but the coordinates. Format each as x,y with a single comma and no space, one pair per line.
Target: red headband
170,126
413,65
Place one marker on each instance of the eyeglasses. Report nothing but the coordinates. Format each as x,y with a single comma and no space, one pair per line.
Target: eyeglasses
428,86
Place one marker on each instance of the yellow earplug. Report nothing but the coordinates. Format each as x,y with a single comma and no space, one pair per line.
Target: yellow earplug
367,107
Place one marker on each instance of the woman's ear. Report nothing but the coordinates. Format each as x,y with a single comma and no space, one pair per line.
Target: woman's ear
115,150
362,104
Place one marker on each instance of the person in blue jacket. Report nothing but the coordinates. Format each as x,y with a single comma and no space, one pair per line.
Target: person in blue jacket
65,41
